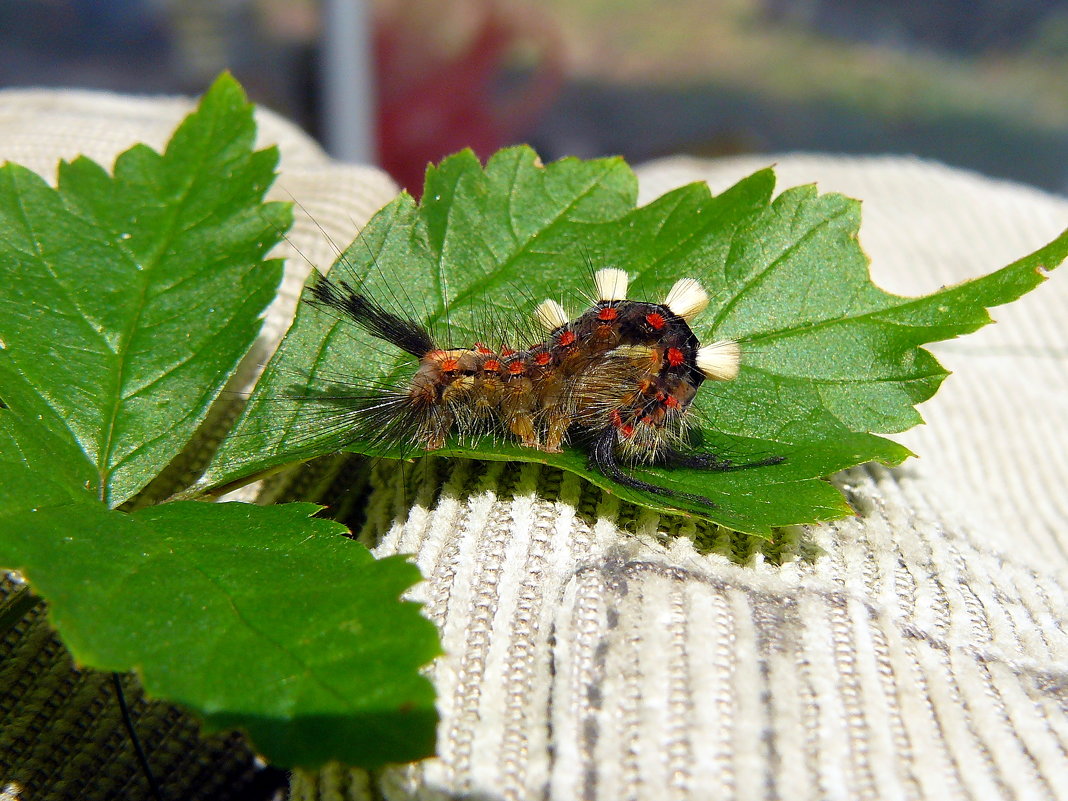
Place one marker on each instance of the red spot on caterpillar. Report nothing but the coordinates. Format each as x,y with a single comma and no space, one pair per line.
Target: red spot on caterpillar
648,419
449,365
627,430
543,358
507,352
516,368
482,349
615,419
671,402
655,320
567,338
491,364
675,357
607,313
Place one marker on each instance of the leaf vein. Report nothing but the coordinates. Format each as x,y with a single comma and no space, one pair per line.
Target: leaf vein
769,269
490,279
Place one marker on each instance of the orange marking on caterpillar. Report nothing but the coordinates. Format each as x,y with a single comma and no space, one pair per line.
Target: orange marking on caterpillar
675,357
656,320
607,314
567,338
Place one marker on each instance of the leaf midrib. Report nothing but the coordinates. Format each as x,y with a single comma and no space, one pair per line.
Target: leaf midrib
898,303
770,269
493,279
106,469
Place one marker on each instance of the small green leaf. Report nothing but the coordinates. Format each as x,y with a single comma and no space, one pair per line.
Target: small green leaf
257,618
127,301
829,360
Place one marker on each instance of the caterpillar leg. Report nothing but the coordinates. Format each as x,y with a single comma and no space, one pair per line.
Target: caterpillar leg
436,428
603,459
559,422
522,425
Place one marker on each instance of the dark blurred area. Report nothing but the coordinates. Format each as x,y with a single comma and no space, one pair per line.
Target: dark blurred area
968,27
973,83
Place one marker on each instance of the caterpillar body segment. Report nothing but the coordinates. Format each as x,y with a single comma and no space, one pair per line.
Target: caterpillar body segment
618,379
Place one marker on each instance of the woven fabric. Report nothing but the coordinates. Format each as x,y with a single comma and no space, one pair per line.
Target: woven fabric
916,651
62,735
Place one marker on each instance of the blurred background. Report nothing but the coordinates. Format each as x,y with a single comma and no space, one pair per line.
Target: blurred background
973,83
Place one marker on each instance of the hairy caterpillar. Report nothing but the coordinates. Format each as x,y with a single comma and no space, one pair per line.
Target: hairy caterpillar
617,380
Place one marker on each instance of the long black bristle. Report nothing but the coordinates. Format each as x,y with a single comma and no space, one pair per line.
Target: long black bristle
603,459
407,335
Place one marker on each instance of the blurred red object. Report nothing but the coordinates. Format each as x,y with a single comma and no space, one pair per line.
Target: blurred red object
437,96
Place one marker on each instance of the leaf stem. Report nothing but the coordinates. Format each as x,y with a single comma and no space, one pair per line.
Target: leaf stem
120,696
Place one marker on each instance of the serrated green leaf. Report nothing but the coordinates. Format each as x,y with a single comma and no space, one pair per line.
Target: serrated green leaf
830,360
127,301
257,618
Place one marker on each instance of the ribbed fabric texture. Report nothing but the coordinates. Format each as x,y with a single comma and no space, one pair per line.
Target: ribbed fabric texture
586,662
916,651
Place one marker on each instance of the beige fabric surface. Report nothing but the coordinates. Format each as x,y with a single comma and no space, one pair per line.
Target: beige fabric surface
917,651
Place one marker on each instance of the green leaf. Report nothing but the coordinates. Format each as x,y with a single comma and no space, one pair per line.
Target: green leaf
254,617
23,489
126,301
125,304
830,360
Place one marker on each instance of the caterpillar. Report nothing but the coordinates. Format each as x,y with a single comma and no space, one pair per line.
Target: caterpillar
618,380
